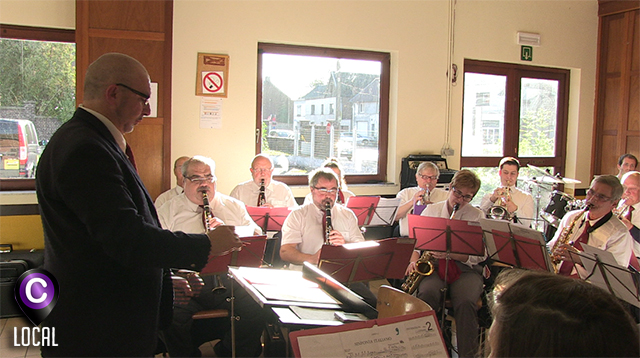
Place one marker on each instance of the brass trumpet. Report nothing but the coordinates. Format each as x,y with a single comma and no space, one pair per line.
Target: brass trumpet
499,210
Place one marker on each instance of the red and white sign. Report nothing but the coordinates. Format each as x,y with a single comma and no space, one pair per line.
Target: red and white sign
213,82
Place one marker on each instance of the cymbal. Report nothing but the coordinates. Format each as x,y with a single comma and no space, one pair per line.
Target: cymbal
539,170
547,177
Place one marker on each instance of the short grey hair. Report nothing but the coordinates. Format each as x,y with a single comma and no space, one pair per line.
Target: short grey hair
611,181
428,165
325,173
200,160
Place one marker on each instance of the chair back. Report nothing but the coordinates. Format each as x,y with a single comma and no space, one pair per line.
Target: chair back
394,302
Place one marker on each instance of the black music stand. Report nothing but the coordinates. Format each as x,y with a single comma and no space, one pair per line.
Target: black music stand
604,271
251,255
269,219
372,260
515,245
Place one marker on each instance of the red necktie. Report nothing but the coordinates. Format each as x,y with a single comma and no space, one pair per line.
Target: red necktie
129,154
567,266
628,216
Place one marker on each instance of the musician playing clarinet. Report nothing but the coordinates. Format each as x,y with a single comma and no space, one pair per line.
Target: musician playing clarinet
305,230
596,226
262,190
190,212
463,275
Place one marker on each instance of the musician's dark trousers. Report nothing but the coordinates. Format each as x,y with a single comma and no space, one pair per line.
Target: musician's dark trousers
464,294
181,341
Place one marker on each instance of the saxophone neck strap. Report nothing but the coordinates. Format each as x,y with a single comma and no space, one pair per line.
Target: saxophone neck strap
598,223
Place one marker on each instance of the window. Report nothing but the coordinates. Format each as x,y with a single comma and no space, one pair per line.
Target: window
337,93
37,94
513,110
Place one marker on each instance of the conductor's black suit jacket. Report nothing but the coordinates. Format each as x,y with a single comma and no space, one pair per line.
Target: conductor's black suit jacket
104,245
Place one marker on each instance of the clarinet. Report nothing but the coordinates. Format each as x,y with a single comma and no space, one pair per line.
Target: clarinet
262,199
453,212
217,280
328,225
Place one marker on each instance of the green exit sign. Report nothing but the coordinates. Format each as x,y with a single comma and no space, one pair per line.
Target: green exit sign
526,53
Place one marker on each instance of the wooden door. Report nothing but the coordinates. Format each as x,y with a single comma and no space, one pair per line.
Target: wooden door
141,29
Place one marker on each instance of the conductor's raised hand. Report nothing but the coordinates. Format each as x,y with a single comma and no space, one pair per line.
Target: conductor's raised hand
223,240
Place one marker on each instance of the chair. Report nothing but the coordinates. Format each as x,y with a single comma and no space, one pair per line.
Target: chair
394,302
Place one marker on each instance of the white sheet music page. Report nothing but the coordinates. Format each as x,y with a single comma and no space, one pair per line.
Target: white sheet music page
418,337
385,213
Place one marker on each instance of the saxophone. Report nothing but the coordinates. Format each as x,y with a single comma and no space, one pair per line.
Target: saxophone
563,238
424,266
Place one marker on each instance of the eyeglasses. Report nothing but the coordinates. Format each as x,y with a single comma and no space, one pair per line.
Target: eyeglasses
458,194
598,197
198,179
142,95
262,170
326,191
431,177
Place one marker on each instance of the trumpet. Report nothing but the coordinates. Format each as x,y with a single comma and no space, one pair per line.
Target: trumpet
327,222
426,197
208,215
622,209
499,210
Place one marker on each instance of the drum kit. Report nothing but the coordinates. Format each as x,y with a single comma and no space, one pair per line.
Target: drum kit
544,184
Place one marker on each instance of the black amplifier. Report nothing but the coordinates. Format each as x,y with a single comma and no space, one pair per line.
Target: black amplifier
410,165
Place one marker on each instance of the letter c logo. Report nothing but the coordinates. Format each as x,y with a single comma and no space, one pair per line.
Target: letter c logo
29,293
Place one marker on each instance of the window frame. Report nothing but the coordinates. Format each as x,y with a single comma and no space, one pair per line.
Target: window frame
383,129
38,34
514,73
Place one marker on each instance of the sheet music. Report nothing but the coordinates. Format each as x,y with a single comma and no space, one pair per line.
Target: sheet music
385,213
418,337
619,278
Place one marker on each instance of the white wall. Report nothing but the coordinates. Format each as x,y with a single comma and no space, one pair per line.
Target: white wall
414,32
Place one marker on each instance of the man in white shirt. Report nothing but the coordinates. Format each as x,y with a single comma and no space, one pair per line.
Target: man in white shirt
425,193
595,226
178,189
185,213
277,194
465,283
304,232
629,207
517,203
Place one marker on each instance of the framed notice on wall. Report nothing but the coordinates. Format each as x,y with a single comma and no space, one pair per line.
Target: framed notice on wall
212,75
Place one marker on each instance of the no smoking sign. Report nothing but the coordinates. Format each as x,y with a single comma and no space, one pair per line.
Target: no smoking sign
213,82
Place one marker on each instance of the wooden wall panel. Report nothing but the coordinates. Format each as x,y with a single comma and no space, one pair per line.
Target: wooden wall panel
142,29
617,112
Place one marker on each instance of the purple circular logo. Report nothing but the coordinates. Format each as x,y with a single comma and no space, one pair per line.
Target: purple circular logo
37,290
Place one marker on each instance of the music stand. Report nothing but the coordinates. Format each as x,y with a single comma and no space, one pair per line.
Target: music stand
515,245
363,207
368,260
446,235
603,270
269,219
250,255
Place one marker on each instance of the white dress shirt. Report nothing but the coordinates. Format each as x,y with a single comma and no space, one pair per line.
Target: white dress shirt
168,195
407,195
612,236
277,193
304,227
181,214
524,201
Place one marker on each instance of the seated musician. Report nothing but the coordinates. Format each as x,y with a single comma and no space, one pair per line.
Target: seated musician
595,226
425,193
343,192
305,231
276,193
178,189
185,213
626,163
628,209
517,203
464,279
